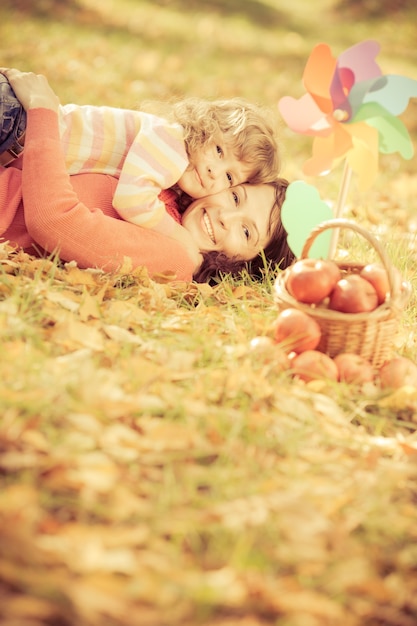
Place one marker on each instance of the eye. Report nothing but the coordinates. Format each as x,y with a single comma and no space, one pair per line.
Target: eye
229,178
219,150
246,232
236,198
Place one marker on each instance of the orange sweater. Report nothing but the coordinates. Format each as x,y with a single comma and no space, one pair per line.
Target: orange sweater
42,206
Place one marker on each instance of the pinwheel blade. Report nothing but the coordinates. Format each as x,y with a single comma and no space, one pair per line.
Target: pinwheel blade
301,211
392,133
304,116
360,59
318,76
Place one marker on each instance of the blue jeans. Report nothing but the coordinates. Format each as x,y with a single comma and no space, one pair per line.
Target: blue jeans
12,122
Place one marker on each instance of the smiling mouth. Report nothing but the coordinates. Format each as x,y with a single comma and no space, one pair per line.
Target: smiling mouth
209,227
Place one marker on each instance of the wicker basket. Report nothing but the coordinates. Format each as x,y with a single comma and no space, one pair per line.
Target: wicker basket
371,335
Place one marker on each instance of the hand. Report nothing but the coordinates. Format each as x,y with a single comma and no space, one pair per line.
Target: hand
32,90
181,234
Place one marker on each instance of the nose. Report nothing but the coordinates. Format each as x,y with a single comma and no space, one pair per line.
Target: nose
214,171
228,217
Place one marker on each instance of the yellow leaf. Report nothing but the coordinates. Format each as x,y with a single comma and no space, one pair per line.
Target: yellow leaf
410,449
77,276
89,307
160,435
71,334
61,298
121,335
127,266
96,478
402,398
309,602
23,609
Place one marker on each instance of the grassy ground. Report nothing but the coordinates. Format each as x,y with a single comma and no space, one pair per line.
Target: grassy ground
154,469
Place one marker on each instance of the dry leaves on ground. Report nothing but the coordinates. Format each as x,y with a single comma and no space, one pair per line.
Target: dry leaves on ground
155,470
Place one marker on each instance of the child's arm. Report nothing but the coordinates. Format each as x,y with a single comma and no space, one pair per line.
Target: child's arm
155,161
181,234
175,230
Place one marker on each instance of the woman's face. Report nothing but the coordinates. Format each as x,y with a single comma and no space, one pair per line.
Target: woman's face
235,221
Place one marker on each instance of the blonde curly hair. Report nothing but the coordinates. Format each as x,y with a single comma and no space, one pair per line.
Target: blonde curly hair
248,129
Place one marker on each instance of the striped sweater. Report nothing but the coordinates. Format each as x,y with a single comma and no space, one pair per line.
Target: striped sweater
42,208
146,153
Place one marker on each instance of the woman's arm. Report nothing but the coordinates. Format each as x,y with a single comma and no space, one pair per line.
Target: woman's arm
81,233
58,219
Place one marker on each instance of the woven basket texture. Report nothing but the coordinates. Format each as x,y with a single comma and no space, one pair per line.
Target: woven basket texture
370,335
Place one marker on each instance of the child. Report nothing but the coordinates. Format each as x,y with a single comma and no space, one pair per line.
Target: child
201,148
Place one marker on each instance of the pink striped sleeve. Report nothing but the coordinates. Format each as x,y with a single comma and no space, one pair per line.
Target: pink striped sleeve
155,161
97,139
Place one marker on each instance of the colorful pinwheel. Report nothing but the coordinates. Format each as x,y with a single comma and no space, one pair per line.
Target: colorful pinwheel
351,109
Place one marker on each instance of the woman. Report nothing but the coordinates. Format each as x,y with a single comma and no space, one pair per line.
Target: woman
42,206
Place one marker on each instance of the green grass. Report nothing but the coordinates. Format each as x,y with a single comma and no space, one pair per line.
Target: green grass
154,469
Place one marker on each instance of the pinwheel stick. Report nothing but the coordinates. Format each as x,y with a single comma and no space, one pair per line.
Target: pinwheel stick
340,204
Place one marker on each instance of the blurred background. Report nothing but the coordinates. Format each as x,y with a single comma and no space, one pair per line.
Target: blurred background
120,52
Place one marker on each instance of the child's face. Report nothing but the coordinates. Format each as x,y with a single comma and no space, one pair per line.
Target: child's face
212,169
235,221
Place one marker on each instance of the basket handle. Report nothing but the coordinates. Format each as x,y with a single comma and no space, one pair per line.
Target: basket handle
349,224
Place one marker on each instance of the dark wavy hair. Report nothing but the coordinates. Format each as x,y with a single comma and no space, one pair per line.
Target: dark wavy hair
276,253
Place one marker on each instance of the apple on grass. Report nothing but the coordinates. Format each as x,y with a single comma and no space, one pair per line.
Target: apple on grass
314,365
397,372
296,331
353,368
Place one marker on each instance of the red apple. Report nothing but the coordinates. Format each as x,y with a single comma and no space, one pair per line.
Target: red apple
314,365
398,372
353,368
312,280
377,275
353,294
296,331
